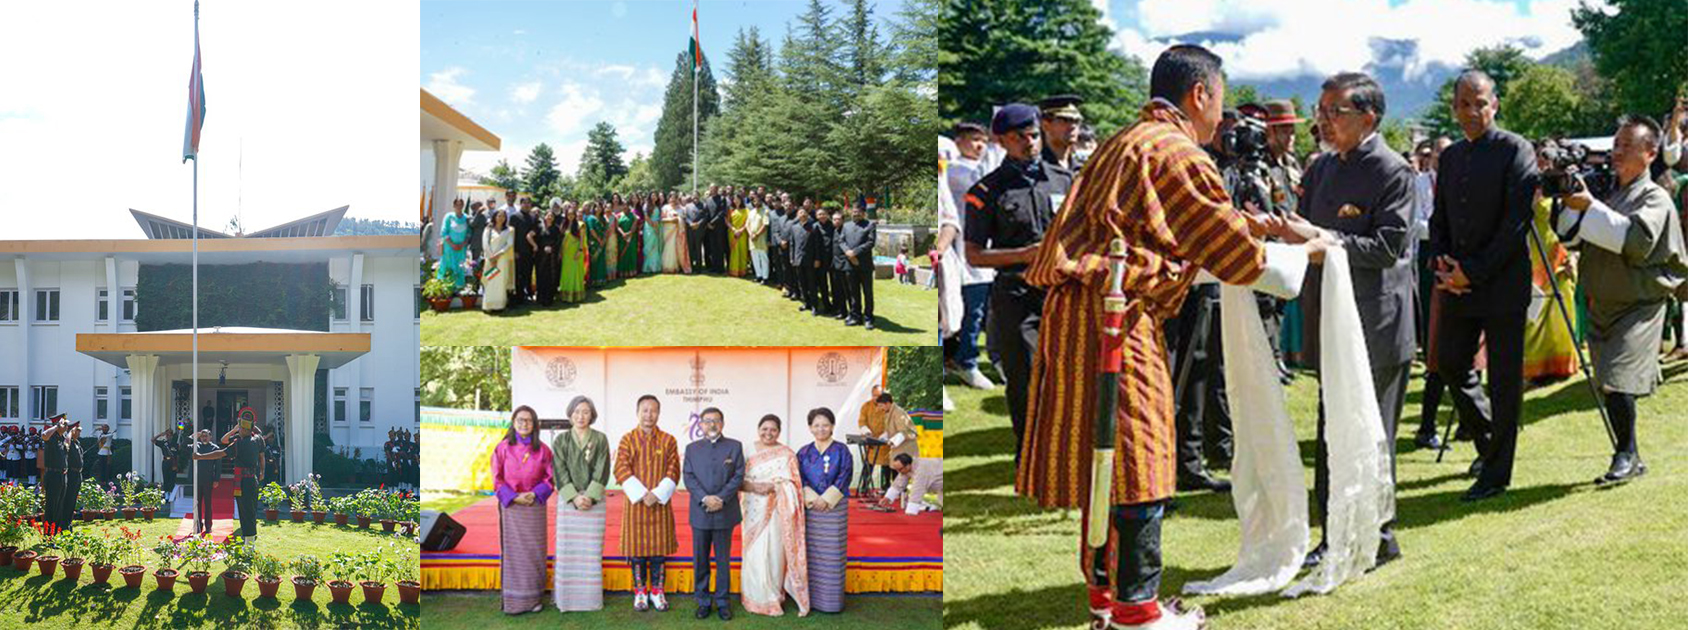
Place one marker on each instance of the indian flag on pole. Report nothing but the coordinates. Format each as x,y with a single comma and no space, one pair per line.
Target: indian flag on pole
196,99
697,50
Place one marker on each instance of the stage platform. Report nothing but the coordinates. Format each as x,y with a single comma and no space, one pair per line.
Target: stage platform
886,552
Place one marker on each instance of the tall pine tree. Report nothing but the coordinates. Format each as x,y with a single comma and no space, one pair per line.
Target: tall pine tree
671,158
539,179
600,164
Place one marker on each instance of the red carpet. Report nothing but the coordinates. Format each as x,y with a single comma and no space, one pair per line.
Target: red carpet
222,499
220,530
885,551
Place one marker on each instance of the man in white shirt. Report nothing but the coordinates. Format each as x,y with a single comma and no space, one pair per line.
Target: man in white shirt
916,477
961,351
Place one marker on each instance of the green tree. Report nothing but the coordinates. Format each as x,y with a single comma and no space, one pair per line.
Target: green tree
671,158
1000,51
639,177
600,163
1544,102
540,176
1503,63
466,377
1642,47
913,375
503,176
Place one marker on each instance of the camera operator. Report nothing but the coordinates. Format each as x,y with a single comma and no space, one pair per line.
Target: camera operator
1632,260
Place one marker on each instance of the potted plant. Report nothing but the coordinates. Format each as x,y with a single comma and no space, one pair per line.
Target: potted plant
438,294
390,508
296,495
370,568
102,554
307,572
150,499
471,293
269,570
239,559
167,552
272,496
369,505
342,567
92,499
340,506
45,557
128,550
200,552
318,511
402,566
126,486
13,530
73,546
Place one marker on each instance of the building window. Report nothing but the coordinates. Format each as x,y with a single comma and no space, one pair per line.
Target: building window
420,303
102,310
9,306
339,404
9,402
366,398
47,305
43,402
339,311
418,406
367,305
129,305
123,406
101,405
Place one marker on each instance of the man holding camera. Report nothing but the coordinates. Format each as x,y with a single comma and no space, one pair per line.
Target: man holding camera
1485,190
1632,260
1361,193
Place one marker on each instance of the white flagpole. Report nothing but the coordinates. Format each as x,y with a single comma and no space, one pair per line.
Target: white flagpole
697,35
193,405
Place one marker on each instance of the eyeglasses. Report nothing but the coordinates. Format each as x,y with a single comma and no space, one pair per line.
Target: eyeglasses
1340,110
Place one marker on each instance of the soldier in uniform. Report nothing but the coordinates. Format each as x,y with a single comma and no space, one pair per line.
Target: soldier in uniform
1060,121
54,459
246,446
1006,215
1632,261
72,475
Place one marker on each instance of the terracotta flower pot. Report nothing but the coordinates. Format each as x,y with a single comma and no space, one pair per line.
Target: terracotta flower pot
372,591
147,512
318,516
410,592
166,579
6,554
340,519
128,513
233,583
303,588
363,521
21,559
102,572
387,525
197,581
268,588
132,575
87,515
298,516
439,304
470,302
47,564
270,515
341,591
111,514
72,568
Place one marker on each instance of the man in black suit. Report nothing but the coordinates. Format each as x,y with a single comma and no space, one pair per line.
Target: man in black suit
804,253
826,295
777,256
714,470
521,223
1485,188
715,231
1361,193
856,243
838,270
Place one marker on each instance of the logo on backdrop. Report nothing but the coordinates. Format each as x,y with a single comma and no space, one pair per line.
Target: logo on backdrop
832,367
697,364
560,372
694,427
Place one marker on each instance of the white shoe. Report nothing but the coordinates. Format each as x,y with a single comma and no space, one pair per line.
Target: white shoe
949,405
976,380
1173,617
659,602
641,602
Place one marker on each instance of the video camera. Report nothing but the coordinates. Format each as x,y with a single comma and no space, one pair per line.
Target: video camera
1569,162
1246,140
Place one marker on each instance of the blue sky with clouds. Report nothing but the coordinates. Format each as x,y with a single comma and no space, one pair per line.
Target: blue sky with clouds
535,72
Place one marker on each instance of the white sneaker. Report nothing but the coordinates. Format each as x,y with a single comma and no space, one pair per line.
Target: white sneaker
976,380
641,602
659,602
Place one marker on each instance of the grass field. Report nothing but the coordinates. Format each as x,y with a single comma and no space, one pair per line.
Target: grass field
673,310
1553,552
36,601
480,610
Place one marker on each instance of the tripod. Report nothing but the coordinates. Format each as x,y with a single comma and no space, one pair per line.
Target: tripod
1565,316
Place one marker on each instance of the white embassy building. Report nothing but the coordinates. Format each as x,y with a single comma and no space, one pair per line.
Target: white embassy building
69,341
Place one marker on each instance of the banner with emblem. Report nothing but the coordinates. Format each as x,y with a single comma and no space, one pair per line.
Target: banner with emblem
744,383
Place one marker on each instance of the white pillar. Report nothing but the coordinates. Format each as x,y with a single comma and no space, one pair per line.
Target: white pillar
114,393
301,395
142,371
26,300
353,372
446,154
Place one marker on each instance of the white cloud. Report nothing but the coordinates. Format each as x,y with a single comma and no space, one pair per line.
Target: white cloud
1322,37
444,85
573,113
524,93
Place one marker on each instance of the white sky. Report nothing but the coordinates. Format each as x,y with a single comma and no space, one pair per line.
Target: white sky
93,102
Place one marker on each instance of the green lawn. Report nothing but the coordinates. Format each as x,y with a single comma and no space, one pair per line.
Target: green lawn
480,610
36,601
1554,552
674,310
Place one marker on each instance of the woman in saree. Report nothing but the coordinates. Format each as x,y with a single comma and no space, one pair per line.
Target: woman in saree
773,561
653,235
572,287
825,467
738,239
521,477
612,244
454,246
580,469
547,242
596,246
756,227
627,265
498,245
1550,353
670,221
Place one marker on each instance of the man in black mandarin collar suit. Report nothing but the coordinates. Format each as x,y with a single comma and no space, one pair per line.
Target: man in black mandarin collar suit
713,470
1362,194
1485,185
856,247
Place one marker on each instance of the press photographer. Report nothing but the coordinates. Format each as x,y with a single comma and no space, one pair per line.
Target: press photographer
1632,259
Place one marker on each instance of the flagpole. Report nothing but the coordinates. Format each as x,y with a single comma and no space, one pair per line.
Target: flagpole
697,65
193,405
